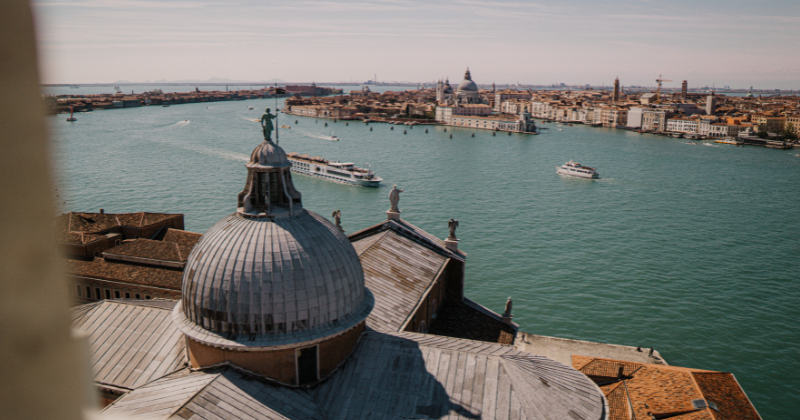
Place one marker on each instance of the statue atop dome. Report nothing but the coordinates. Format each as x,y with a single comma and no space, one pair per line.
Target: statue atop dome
266,124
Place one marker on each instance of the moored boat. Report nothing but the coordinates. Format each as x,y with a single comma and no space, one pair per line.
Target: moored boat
342,172
576,169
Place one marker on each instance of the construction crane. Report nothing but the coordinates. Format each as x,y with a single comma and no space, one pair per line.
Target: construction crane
659,80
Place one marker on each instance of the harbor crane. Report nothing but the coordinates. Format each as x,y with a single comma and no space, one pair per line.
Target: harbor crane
659,80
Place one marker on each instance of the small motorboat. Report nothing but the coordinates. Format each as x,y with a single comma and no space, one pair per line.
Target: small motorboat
334,138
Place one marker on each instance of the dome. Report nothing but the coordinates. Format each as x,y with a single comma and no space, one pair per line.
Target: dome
264,282
268,154
467,85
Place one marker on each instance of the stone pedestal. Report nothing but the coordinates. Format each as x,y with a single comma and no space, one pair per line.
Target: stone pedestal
393,215
451,244
507,319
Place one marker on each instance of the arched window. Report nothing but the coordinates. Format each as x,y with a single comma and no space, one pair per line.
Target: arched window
422,327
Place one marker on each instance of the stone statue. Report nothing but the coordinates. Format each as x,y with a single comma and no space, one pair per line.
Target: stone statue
337,218
266,124
452,224
394,197
507,313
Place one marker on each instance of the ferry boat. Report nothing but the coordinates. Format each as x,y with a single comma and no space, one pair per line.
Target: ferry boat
345,173
576,169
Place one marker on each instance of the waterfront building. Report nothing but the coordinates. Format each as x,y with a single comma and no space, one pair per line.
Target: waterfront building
508,94
467,91
518,123
683,124
768,122
793,123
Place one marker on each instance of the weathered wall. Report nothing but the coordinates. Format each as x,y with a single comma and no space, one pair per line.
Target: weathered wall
279,364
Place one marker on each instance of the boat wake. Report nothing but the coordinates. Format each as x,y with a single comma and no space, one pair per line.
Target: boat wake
183,123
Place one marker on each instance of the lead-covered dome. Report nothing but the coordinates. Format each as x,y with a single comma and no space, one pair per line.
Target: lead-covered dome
467,85
260,282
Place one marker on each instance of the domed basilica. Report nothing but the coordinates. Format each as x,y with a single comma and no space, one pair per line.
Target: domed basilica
466,93
283,316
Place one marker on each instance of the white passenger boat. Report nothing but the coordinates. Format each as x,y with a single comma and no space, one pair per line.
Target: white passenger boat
576,169
345,173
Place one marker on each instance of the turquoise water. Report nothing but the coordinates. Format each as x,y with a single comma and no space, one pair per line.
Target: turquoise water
689,249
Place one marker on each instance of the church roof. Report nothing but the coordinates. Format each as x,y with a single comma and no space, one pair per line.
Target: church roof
132,342
399,375
399,272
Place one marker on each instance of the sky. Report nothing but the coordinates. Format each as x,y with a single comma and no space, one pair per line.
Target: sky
740,43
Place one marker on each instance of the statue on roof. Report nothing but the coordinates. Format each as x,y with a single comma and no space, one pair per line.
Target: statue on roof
266,124
394,197
337,218
509,303
452,224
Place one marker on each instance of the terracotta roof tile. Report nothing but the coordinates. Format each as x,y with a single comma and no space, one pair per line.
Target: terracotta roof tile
135,274
668,390
182,237
148,248
724,390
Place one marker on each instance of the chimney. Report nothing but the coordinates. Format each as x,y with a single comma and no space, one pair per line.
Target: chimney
620,373
102,211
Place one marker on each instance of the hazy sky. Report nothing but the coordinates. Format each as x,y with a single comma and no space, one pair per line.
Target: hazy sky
726,42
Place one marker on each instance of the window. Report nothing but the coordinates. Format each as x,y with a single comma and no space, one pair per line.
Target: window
307,371
88,292
78,290
108,294
97,293
127,295
147,296
116,294
138,296
421,327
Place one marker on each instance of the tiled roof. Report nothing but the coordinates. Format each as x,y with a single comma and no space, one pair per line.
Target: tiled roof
77,237
182,237
669,390
135,274
148,248
100,222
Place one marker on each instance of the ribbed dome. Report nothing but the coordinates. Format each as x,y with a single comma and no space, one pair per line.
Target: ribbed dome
269,154
271,282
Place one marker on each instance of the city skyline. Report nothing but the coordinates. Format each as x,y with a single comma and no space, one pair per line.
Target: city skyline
736,43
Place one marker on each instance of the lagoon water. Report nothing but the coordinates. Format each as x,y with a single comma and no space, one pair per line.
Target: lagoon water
691,249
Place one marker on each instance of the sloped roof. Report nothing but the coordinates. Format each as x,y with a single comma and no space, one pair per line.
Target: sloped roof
148,248
398,375
101,222
398,271
127,273
131,342
182,237
669,390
